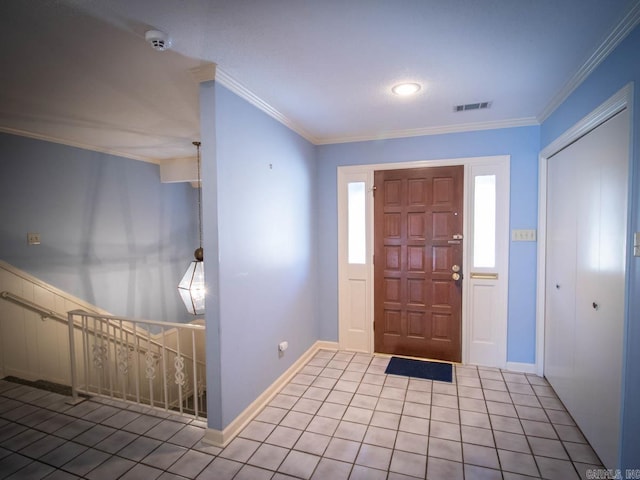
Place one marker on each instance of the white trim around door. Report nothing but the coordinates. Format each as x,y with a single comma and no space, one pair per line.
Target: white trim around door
615,104
485,287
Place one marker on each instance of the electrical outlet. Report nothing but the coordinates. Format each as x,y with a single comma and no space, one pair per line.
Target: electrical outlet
33,238
523,235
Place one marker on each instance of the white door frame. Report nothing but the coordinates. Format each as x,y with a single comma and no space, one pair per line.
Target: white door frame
345,174
617,102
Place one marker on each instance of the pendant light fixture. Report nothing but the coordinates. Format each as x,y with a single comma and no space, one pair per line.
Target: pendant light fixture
192,287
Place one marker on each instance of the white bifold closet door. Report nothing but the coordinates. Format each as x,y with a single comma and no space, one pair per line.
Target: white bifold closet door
585,280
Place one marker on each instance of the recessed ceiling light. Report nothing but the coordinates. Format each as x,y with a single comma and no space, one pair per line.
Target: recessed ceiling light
404,89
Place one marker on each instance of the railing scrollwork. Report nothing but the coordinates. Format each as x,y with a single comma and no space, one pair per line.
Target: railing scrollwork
120,358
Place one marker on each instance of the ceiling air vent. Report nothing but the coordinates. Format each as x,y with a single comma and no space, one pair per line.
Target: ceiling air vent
471,106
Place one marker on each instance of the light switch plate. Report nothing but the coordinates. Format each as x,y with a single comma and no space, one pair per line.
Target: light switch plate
636,244
523,235
33,238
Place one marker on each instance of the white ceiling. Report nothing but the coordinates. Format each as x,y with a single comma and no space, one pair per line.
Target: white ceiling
80,72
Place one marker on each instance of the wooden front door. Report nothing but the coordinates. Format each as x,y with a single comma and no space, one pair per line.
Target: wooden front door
418,246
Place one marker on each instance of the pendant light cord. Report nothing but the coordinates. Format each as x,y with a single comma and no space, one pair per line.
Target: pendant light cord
197,144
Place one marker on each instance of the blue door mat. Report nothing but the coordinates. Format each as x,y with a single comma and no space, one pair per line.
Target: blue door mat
442,372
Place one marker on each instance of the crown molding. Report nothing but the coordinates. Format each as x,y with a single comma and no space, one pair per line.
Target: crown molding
243,92
71,143
619,33
614,104
418,132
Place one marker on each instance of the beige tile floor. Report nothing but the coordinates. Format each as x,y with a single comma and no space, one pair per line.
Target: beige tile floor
340,417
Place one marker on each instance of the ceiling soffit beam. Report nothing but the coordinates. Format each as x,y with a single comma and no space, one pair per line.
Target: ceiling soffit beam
178,170
71,143
204,73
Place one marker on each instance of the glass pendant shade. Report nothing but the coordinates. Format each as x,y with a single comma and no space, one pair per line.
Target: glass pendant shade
192,288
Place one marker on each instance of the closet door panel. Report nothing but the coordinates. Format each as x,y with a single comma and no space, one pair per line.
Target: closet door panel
587,192
600,287
561,276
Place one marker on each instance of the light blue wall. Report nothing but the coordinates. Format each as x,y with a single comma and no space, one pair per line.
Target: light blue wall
264,187
211,253
112,234
620,68
523,146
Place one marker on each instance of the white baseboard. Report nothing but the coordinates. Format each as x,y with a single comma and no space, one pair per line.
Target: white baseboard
521,367
32,377
221,438
23,374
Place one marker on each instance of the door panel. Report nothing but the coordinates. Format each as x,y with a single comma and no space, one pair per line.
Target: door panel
585,281
418,305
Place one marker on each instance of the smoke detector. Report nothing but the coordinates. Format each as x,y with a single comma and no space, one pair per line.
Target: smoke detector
160,41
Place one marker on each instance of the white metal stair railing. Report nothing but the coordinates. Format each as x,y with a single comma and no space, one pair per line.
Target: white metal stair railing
164,370
120,358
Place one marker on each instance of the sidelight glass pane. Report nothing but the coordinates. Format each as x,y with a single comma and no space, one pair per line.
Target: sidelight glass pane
356,223
484,221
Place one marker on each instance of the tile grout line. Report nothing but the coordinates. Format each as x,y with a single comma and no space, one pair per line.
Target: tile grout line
355,400
92,447
522,426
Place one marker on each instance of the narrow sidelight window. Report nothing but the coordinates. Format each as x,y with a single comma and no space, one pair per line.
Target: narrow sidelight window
484,222
357,223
